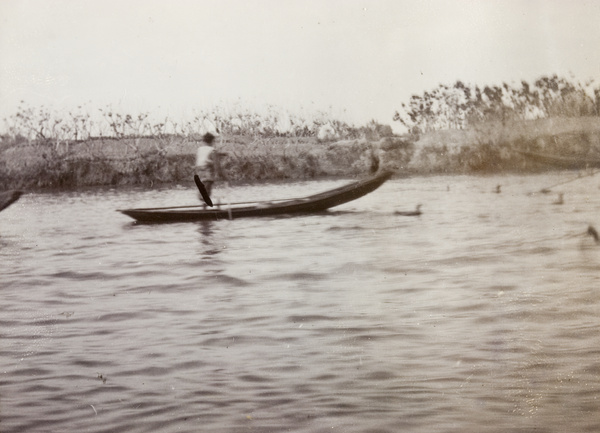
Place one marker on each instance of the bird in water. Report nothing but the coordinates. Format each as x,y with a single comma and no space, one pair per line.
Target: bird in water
415,212
498,189
592,232
560,199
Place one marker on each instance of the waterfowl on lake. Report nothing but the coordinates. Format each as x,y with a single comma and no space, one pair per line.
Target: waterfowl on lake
592,231
415,212
498,189
560,199
9,197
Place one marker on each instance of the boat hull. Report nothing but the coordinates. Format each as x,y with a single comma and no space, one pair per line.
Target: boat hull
8,197
310,204
566,162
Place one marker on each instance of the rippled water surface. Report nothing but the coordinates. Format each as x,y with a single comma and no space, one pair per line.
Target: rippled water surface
481,315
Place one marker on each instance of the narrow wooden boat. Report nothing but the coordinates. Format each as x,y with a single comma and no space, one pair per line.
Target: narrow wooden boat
312,203
568,162
8,197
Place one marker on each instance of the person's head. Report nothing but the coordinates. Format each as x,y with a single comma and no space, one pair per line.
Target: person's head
208,138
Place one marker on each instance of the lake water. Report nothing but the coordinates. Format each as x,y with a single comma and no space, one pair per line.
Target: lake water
481,315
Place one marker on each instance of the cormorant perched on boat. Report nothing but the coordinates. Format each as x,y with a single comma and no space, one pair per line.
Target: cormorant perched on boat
592,231
375,160
9,197
415,212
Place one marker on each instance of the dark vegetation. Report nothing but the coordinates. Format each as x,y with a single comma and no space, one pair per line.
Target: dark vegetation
452,129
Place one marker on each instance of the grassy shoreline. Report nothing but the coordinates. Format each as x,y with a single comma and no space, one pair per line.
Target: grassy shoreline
147,161
151,161
493,147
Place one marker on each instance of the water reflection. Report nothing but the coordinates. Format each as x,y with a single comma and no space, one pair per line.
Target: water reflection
207,246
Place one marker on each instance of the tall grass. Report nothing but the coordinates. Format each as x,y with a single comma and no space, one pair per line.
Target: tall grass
464,105
471,128
41,148
455,129
45,125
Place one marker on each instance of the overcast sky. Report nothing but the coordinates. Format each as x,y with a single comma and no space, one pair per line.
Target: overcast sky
356,59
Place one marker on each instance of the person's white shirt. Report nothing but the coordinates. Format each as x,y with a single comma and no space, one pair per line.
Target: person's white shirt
203,156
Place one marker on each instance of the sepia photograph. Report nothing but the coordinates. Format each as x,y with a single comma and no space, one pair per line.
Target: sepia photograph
354,216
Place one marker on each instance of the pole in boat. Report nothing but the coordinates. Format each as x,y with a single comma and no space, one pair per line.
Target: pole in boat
202,190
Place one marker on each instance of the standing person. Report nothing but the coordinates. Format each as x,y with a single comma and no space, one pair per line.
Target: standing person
207,164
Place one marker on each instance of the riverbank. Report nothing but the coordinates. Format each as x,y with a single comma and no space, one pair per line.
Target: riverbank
147,161
158,160
493,147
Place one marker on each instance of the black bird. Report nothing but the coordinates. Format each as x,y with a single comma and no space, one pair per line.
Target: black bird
592,231
415,212
560,199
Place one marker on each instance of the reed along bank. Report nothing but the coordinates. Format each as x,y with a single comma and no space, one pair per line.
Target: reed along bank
488,148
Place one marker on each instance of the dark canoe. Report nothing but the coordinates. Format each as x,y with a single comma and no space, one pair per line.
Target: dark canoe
568,162
313,203
8,197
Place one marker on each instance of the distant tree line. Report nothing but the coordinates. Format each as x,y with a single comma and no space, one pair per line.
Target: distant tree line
462,105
